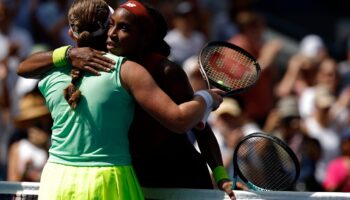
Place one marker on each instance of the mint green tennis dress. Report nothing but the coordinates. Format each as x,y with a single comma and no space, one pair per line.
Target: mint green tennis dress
89,156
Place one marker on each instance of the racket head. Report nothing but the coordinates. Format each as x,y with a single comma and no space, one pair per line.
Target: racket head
265,163
228,67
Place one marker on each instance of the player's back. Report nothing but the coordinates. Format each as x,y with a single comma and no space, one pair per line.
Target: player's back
96,130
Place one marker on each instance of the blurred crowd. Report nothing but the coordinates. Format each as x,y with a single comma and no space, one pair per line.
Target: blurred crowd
303,98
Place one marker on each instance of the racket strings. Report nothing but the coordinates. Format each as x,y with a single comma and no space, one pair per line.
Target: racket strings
262,179
283,173
229,67
266,164
276,170
266,180
275,173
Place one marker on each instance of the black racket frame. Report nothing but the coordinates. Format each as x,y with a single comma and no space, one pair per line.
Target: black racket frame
229,91
238,173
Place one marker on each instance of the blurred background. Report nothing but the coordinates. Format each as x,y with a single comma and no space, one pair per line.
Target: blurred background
303,94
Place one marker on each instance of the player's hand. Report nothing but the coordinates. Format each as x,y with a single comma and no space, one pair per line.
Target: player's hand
226,186
241,186
90,60
217,96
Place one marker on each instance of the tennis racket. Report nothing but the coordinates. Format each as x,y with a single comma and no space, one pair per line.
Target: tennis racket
227,67
265,163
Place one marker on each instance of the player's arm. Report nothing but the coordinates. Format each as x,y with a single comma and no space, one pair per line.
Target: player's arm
85,58
178,118
210,149
178,87
35,65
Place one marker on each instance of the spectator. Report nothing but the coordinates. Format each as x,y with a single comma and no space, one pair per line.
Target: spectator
23,12
344,67
21,41
15,44
340,111
302,67
50,18
5,125
319,126
313,47
183,39
18,46
219,18
285,122
338,170
326,75
28,149
252,26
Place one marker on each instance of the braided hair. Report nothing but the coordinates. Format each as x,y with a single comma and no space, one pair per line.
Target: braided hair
88,20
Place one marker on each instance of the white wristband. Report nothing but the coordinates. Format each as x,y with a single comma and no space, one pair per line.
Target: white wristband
206,96
209,101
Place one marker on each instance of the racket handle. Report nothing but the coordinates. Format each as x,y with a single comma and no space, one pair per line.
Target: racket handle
234,182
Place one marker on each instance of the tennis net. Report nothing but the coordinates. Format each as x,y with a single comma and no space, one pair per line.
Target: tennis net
18,190
29,191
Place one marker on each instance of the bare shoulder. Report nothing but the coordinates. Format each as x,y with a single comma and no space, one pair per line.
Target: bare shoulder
132,73
131,68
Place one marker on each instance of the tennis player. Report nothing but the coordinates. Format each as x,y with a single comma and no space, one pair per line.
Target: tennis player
155,148
89,156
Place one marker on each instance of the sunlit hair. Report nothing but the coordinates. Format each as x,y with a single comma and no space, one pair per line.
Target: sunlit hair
88,20
151,23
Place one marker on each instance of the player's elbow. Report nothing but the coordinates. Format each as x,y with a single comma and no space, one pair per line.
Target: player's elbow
20,71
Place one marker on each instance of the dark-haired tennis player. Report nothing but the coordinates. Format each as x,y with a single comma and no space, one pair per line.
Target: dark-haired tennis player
162,158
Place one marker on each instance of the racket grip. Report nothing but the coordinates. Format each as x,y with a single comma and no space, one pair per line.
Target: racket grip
234,181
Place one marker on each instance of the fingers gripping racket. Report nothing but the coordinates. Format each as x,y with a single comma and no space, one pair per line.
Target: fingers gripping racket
265,163
227,67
